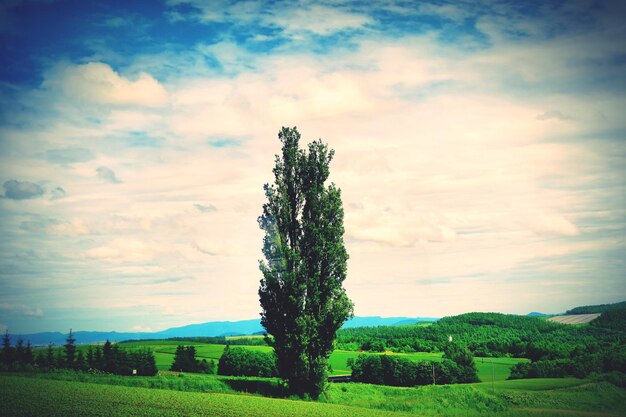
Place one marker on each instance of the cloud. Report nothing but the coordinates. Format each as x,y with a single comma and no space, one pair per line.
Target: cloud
320,20
205,208
127,250
140,328
169,311
214,247
73,227
37,312
58,193
21,309
98,82
107,174
69,155
554,114
3,328
294,20
553,224
22,190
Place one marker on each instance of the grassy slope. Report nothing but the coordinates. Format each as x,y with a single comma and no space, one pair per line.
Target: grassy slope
22,396
32,395
501,368
544,397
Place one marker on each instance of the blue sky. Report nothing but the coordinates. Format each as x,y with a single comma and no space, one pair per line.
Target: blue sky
480,149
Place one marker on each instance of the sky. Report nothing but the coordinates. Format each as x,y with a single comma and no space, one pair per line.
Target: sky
480,150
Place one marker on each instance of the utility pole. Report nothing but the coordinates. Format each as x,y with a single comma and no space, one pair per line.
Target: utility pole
433,367
493,389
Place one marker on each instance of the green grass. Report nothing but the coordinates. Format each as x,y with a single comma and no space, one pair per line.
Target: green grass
546,397
516,398
448,400
22,396
500,370
536,384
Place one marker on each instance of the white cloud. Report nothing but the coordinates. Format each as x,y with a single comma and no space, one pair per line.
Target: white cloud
75,227
21,309
98,82
169,311
553,224
126,250
321,20
140,328
37,312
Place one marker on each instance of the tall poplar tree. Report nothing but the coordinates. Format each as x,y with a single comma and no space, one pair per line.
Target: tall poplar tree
302,297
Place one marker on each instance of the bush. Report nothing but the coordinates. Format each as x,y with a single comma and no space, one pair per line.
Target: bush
244,362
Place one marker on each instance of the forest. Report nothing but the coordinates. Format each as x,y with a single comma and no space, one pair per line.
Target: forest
555,349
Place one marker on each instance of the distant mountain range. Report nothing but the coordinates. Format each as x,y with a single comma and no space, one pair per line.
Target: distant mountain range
213,328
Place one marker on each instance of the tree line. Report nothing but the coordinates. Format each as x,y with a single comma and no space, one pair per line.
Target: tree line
457,367
108,358
185,361
600,308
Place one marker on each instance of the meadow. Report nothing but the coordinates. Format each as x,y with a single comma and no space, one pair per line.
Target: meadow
170,394
164,354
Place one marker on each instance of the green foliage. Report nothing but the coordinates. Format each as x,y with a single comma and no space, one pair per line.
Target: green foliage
15,358
70,351
8,352
611,360
397,371
611,319
488,335
301,294
600,308
245,362
185,361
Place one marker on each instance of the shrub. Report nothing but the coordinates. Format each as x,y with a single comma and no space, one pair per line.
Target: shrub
245,362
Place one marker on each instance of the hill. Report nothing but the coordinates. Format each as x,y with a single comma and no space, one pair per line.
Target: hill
537,314
595,309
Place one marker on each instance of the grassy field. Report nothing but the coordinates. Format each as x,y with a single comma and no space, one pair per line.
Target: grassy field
497,368
537,397
164,353
23,395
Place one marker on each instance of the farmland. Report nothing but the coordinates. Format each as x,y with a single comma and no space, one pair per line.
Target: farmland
574,318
